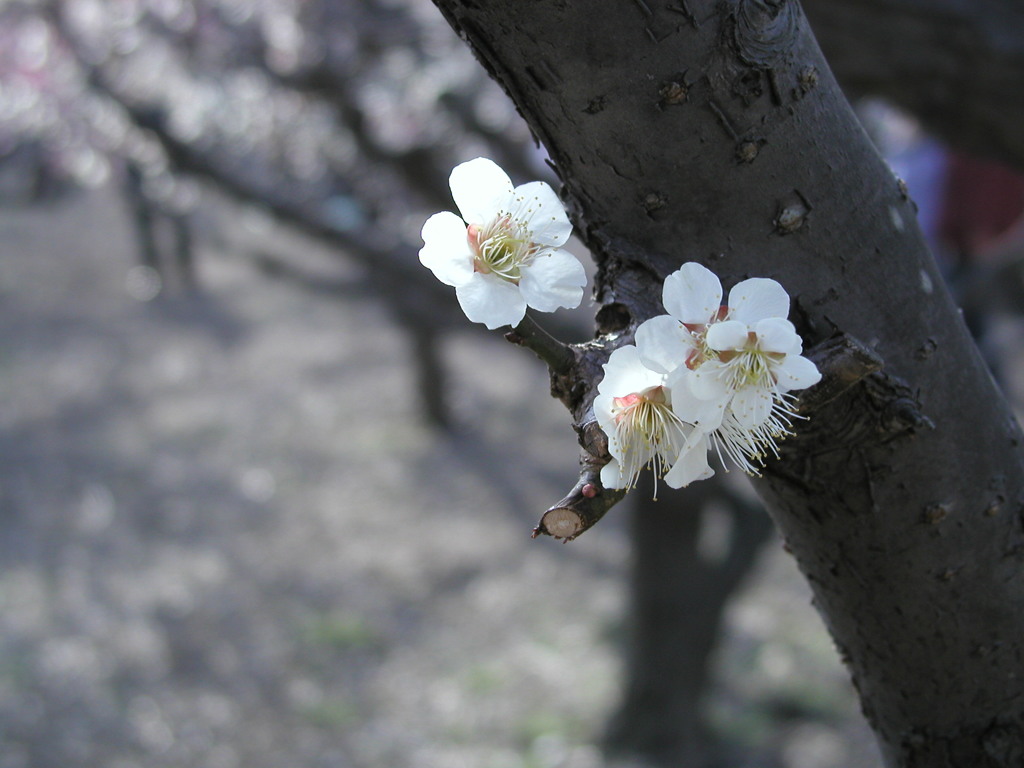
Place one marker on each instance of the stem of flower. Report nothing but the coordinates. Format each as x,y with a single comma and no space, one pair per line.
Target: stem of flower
559,357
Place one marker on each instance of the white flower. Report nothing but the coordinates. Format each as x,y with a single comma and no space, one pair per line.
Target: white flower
692,296
638,410
758,364
744,357
504,253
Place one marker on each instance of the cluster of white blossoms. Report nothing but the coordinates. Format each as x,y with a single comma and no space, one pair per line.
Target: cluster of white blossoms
504,253
702,377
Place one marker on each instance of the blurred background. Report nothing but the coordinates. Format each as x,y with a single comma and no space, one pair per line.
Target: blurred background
266,496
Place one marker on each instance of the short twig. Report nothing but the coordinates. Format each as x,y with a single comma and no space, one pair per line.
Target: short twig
559,357
586,503
589,500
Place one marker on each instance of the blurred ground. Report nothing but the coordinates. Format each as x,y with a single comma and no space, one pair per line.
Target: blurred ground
227,539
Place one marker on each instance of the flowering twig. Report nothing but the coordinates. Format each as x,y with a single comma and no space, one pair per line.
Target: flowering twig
843,361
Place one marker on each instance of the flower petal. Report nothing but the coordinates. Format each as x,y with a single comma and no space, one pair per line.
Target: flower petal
692,294
492,301
539,208
624,374
445,250
705,414
751,406
775,334
757,298
728,334
664,343
552,280
692,463
480,188
603,411
710,382
611,475
796,372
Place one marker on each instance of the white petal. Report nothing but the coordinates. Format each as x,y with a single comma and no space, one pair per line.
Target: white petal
664,344
709,381
728,334
445,250
756,299
751,406
492,301
796,372
480,188
692,463
611,475
705,414
603,412
554,279
692,294
539,208
624,374
777,335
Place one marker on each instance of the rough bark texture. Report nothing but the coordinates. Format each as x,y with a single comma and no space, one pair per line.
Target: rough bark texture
715,132
956,64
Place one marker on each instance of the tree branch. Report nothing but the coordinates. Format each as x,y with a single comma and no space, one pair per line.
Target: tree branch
559,357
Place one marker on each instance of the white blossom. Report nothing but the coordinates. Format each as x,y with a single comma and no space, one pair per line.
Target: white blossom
638,410
504,253
743,357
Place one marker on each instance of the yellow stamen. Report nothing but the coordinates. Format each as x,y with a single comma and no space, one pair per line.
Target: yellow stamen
501,248
647,432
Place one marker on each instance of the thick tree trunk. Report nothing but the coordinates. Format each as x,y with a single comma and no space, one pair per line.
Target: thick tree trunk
714,131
